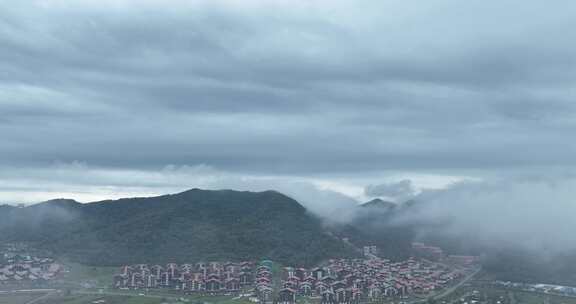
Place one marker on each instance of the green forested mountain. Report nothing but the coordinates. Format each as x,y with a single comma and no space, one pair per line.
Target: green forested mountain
189,226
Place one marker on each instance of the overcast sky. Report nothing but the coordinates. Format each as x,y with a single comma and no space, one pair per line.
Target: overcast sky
106,98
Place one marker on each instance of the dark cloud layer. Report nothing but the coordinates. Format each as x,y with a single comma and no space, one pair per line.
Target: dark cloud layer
301,88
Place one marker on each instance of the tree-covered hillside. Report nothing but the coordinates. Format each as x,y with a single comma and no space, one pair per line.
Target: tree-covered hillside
189,226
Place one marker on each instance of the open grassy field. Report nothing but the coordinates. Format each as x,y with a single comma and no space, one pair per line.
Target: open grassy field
165,295
539,298
489,294
97,276
18,298
90,299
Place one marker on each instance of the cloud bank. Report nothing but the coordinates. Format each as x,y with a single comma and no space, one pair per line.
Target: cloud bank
530,213
288,87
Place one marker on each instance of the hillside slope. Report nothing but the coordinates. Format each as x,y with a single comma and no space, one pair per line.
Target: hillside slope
189,226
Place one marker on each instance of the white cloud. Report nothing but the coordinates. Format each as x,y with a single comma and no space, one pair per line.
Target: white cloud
533,213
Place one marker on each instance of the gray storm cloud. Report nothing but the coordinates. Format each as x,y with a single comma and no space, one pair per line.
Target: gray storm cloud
277,94
275,86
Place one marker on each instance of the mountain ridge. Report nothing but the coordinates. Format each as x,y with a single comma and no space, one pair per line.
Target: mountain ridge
379,203
187,226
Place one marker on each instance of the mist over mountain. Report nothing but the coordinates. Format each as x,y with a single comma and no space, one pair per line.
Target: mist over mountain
534,214
377,204
522,225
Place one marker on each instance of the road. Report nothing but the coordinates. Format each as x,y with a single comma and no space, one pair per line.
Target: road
449,291
41,298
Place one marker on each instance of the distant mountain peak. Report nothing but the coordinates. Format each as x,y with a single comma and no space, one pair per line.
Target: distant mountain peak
379,203
60,202
230,191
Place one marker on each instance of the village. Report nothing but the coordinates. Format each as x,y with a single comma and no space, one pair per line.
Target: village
209,278
353,281
370,279
19,267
